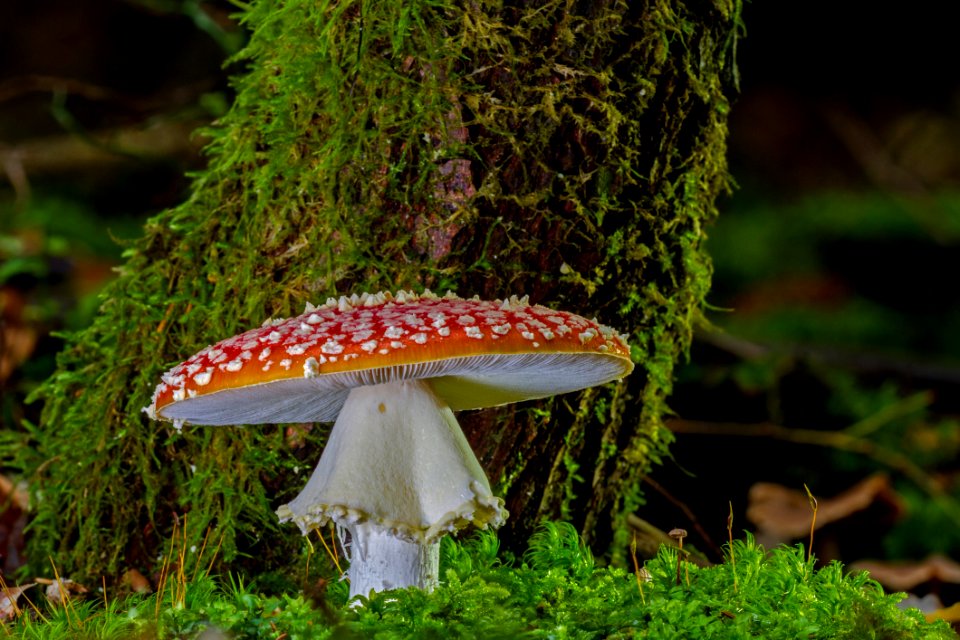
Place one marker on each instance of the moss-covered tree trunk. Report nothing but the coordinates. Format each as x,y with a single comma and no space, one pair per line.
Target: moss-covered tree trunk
569,151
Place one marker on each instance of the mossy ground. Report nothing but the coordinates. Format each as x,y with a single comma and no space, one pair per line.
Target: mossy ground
554,591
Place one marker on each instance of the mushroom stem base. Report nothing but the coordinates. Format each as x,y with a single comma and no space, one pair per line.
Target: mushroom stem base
380,561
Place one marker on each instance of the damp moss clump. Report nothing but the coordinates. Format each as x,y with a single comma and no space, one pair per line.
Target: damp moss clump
569,151
555,590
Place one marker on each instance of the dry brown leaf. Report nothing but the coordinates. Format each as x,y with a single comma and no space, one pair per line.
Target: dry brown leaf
8,600
14,501
17,338
784,514
135,581
905,576
13,494
57,588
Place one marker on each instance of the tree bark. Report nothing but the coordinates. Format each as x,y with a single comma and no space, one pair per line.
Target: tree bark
569,151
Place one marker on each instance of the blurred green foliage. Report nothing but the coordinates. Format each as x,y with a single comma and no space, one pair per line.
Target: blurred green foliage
55,256
811,259
838,313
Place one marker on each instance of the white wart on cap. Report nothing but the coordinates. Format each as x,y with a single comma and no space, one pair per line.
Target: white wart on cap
397,472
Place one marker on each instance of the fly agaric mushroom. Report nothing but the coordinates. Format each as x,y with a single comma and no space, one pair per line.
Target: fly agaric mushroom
397,472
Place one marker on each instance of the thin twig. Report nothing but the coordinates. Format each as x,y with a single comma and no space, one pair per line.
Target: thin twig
636,567
813,521
330,553
64,595
733,557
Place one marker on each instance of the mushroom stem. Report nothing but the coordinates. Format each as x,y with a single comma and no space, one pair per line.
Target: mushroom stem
381,561
397,473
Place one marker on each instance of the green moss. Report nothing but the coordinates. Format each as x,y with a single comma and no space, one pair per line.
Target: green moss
555,591
571,153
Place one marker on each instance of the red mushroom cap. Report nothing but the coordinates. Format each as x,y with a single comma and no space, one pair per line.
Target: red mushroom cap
476,353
